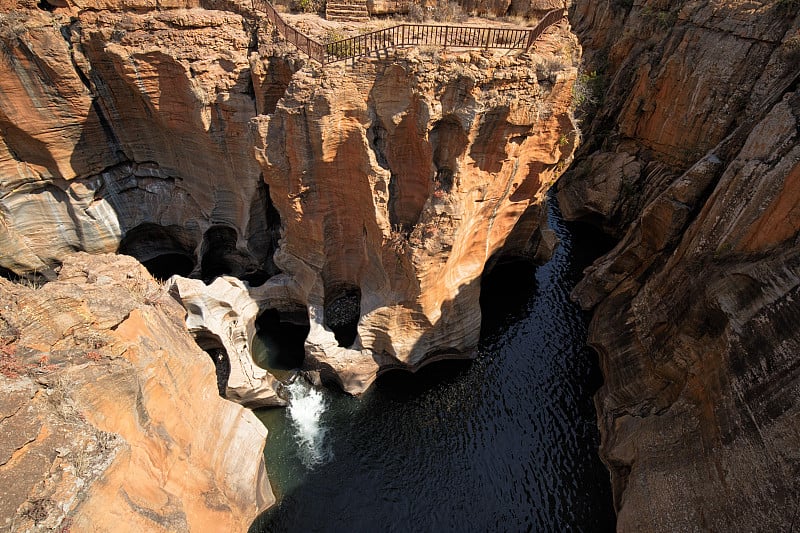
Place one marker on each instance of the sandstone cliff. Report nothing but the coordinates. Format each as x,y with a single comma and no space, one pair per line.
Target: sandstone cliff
190,140
111,419
396,184
692,160
363,200
130,131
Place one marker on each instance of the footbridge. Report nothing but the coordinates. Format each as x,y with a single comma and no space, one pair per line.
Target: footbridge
402,35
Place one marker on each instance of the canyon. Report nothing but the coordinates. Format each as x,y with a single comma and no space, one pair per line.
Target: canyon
691,159
365,200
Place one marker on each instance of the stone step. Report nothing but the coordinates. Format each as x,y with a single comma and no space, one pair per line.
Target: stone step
349,19
349,9
346,12
354,4
344,18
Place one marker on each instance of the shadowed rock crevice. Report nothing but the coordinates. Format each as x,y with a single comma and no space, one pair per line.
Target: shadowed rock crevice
448,142
212,345
506,284
278,76
163,250
410,184
220,255
283,333
263,234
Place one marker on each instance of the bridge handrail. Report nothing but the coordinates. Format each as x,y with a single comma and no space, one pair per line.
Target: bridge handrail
407,35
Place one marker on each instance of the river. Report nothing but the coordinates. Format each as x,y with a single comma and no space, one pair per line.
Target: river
507,442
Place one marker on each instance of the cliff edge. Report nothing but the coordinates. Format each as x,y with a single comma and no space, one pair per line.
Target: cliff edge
692,160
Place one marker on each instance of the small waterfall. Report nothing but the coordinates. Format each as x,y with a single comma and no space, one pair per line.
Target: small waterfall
306,405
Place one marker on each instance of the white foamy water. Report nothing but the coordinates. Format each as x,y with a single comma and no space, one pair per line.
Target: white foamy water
306,405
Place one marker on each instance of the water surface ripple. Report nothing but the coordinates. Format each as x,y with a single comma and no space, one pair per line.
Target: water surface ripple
507,442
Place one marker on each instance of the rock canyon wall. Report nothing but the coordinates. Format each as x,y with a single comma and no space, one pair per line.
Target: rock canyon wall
110,414
364,200
396,185
173,136
692,159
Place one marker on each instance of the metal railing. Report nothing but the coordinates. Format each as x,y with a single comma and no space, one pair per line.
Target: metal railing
409,35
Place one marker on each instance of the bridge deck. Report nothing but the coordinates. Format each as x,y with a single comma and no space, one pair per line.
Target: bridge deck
409,35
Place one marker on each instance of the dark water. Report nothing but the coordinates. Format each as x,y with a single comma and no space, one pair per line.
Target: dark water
503,443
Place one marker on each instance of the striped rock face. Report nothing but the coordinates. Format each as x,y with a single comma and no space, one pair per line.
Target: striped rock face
110,411
397,182
695,310
168,136
366,199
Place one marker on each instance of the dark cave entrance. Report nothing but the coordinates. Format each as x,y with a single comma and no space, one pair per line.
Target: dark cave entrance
221,256
163,250
212,345
507,283
342,311
165,265
283,334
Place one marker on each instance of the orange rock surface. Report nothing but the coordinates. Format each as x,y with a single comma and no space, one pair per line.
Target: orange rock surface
401,181
113,411
692,161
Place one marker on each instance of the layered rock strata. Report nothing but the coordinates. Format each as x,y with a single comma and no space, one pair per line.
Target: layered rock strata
396,183
171,136
109,411
130,131
692,160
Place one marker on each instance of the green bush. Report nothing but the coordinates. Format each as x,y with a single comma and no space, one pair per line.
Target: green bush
345,49
588,90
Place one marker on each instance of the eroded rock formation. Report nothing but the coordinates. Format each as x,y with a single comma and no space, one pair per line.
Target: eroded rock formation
109,411
693,161
221,316
390,184
396,183
130,130
368,198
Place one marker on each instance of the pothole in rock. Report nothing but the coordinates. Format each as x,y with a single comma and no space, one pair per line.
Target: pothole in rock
342,311
282,336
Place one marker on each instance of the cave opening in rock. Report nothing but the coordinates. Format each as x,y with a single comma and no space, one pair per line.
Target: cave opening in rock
283,334
263,236
342,311
212,345
219,254
163,250
222,256
44,5
400,384
506,286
